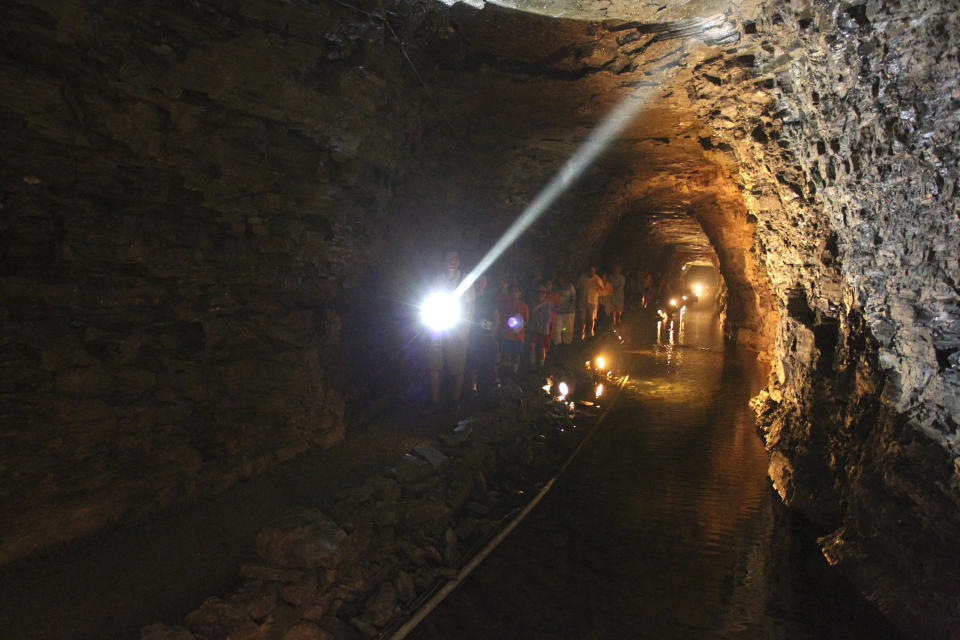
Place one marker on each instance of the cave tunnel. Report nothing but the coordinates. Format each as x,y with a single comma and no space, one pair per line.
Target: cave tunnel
217,221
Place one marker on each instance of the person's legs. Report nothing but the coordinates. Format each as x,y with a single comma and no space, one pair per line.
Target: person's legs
561,331
591,319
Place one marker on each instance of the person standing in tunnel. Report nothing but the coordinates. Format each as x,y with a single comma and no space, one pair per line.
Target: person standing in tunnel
593,286
448,349
513,319
566,301
581,306
538,336
482,355
619,283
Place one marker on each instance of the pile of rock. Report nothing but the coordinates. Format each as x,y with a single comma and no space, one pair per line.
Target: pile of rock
361,567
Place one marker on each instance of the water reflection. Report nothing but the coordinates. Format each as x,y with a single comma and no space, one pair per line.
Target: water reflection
665,526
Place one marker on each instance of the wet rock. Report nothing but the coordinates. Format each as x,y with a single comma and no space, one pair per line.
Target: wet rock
260,607
256,598
451,551
405,588
414,554
301,591
385,514
380,609
428,510
411,470
431,554
218,620
431,455
365,628
278,622
339,629
459,482
306,539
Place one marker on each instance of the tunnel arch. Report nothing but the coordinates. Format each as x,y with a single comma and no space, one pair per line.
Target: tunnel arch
198,198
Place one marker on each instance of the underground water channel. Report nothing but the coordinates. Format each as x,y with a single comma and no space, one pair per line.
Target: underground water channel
665,525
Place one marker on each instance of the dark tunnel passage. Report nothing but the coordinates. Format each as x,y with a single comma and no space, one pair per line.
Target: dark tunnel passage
217,221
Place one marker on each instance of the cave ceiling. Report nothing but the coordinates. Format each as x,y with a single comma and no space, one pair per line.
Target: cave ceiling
594,10
518,93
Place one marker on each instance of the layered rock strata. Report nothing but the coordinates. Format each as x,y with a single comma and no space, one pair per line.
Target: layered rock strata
843,121
186,190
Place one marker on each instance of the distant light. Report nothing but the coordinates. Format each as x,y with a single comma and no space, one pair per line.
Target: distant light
673,302
601,363
698,289
514,322
599,390
563,388
684,297
440,311
547,387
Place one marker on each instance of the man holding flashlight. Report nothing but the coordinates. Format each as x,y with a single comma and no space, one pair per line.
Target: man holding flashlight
448,346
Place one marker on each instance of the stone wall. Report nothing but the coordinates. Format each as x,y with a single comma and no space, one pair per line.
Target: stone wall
844,121
187,190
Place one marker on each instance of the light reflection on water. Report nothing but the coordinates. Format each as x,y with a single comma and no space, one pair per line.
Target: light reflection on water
665,525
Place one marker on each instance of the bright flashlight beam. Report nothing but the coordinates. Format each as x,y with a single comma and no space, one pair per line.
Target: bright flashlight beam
600,139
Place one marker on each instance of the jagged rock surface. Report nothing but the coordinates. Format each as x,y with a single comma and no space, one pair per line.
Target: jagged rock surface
843,121
404,531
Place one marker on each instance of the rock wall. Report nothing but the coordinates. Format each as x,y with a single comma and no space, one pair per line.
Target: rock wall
187,190
844,121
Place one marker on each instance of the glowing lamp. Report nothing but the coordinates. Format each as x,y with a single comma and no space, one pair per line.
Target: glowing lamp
514,322
563,388
673,302
440,311
698,289
599,390
684,297
601,363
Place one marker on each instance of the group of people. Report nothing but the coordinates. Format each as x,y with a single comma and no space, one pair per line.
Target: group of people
500,330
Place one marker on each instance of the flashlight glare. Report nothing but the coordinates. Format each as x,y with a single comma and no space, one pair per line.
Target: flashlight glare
673,302
440,311
599,390
698,289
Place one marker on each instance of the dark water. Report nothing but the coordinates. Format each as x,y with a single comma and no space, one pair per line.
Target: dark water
665,526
